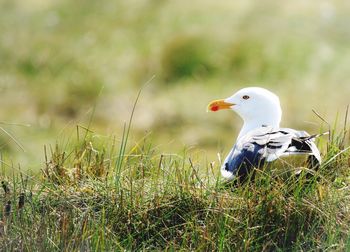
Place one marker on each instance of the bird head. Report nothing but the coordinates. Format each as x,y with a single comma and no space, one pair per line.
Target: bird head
254,105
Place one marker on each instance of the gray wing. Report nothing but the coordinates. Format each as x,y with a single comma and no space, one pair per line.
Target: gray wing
267,144
282,142
242,159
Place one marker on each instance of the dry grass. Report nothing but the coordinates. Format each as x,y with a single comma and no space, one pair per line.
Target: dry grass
85,201
65,63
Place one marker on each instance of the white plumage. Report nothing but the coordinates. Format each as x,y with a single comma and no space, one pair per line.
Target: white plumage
261,139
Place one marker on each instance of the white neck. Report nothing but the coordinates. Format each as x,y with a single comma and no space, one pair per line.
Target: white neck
253,124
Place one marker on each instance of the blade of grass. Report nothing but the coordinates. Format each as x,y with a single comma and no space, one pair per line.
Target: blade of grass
13,139
125,136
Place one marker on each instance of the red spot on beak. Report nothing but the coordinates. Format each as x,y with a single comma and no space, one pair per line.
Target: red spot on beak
215,108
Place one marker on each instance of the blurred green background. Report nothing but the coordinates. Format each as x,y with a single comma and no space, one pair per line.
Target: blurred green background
60,60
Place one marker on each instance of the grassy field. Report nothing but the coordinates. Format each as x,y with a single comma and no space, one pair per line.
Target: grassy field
69,75
96,196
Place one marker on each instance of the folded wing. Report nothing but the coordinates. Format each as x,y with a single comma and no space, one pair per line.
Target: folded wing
267,144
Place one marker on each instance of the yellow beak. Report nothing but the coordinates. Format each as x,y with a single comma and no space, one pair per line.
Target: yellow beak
218,105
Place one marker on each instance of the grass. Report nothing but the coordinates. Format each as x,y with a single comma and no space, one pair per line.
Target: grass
58,56
157,186
94,196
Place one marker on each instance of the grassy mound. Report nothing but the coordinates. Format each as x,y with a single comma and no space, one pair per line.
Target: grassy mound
91,197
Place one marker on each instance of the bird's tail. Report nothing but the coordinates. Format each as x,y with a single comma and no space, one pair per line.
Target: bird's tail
314,160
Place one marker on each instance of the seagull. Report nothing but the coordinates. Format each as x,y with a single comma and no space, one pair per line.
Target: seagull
261,140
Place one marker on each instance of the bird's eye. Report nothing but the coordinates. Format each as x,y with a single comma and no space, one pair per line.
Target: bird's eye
245,97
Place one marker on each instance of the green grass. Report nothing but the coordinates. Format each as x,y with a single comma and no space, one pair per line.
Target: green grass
171,202
104,186
59,58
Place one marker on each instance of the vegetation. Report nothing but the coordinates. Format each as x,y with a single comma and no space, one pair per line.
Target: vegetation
87,180
93,196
